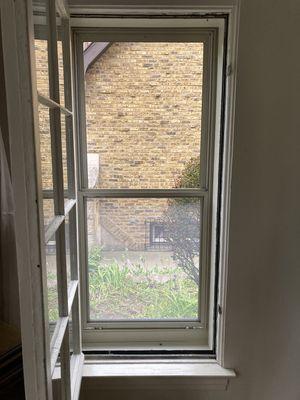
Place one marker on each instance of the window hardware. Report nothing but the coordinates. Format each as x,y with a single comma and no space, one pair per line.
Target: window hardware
192,327
229,70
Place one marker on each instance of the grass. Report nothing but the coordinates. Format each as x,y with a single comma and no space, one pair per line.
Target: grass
124,290
52,297
131,291
52,304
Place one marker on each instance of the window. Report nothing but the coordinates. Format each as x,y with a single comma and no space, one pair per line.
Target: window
140,215
157,233
148,179
59,193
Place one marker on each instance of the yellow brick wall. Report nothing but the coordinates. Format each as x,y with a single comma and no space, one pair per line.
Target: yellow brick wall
42,76
143,112
143,120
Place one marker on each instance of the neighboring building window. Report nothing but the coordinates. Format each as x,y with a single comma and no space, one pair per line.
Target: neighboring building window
157,233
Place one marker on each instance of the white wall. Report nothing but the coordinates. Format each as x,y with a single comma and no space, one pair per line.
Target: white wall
263,325
263,321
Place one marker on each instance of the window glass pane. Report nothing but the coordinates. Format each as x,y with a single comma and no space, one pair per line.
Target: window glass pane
64,153
143,258
61,72
46,163
60,61
48,206
71,346
41,60
41,46
68,256
72,332
143,114
52,282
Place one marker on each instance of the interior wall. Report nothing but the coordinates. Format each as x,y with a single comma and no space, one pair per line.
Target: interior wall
263,316
263,324
262,339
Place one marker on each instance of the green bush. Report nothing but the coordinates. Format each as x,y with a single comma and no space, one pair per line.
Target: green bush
131,291
190,177
182,221
94,257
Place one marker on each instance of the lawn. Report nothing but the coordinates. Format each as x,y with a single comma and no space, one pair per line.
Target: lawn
129,290
125,290
52,304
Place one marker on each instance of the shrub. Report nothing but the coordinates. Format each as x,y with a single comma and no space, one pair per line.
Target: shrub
182,221
94,257
190,177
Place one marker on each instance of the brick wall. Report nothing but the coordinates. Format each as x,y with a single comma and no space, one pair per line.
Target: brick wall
143,120
42,75
143,112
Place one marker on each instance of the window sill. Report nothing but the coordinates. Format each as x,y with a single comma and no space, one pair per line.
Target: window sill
199,374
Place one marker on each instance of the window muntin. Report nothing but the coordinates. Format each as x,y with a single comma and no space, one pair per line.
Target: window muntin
140,329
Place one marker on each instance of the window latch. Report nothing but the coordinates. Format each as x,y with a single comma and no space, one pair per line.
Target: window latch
229,70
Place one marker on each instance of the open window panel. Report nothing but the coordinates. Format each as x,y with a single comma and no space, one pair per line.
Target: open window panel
149,101
58,196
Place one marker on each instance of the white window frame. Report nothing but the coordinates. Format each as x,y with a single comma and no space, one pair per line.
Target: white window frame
179,335
39,353
70,366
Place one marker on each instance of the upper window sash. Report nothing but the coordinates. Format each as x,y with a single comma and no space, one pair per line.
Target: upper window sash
205,36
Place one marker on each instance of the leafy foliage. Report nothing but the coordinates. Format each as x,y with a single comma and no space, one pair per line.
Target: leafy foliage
95,257
182,221
190,178
131,290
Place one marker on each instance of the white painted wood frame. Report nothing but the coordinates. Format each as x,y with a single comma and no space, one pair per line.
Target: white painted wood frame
18,52
181,335
22,104
68,297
